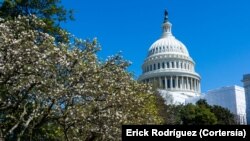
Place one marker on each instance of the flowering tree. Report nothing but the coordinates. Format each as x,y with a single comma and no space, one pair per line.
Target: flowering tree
60,91
28,83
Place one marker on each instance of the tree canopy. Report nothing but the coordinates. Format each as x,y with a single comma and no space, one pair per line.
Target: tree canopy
197,115
63,91
50,11
200,113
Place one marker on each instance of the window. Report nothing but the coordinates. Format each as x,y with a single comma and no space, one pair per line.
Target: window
154,67
173,65
168,80
173,83
163,83
163,65
167,64
159,65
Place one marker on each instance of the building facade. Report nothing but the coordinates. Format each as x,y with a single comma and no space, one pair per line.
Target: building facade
246,82
170,66
231,97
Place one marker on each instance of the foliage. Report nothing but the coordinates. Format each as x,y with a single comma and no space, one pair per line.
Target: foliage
62,91
50,11
224,116
199,114
167,110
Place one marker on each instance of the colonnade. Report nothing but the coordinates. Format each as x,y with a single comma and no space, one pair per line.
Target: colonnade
176,83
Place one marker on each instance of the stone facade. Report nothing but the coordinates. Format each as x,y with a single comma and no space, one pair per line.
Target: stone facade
246,81
232,98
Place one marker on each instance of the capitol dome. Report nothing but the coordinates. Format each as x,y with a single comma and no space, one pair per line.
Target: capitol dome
168,45
169,66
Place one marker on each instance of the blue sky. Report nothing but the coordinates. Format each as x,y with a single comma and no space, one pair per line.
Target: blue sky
216,32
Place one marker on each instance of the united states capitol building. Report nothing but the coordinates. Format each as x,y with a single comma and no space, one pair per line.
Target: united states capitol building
169,66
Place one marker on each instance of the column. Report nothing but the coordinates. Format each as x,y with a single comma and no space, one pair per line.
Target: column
196,81
186,83
166,82
194,84
199,86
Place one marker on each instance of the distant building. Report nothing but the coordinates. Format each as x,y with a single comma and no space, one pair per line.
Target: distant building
169,65
232,98
246,81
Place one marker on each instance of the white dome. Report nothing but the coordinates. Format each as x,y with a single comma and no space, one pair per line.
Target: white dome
169,66
168,45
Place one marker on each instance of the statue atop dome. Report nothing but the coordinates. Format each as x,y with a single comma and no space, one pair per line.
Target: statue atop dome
166,12
165,16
